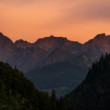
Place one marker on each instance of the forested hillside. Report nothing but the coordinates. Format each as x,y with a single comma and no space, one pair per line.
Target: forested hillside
94,92
37,59
18,93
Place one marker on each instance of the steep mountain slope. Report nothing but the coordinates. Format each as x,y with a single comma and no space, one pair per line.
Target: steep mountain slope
61,76
27,56
50,43
18,93
94,92
93,49
15,90
78,55
22,44
30,57
65,52
6,47
99,45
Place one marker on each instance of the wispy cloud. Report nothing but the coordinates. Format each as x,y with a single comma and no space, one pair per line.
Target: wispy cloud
54,16
90,10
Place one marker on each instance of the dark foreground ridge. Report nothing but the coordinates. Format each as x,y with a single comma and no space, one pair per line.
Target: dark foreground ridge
94,92
38,59
18,93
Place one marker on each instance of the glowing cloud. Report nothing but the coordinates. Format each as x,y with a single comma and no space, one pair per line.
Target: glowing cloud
76,19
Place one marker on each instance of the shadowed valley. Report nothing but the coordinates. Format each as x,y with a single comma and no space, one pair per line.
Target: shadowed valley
53,62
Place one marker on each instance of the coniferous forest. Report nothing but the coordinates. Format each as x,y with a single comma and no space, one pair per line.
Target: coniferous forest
54,54
94,92
18,93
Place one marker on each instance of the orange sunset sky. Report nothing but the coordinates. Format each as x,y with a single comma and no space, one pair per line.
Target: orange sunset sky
78,20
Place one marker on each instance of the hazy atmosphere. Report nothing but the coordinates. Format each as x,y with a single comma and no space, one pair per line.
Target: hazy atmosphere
78,20
41,65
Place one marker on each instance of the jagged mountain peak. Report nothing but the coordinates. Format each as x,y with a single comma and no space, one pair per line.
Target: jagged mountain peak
1,34
53,49
51,38
4,38
6,47
22,44
20,40
50,43
100,44
100,36
5,42
49,50
98,39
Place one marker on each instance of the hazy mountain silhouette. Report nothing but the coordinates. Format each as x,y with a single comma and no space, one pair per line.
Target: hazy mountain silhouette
33,58
63,77
27,56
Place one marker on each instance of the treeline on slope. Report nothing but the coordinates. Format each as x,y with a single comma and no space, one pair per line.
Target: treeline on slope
18,93
94,92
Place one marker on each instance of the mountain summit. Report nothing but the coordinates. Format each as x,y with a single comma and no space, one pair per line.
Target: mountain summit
22,44
50,43
101,43
34,59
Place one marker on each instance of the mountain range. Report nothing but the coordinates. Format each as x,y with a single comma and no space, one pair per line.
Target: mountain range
18,93
54,62
49,50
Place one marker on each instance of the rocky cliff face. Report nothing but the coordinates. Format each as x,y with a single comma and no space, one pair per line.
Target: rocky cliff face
101,43
50,43
6,47
22,44
27,56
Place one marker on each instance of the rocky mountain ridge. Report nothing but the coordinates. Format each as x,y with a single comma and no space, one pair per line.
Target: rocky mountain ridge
51,53
45,51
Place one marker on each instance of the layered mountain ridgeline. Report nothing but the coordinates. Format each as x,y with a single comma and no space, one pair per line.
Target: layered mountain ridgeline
28,56
18,93
34,59
63,77
94,92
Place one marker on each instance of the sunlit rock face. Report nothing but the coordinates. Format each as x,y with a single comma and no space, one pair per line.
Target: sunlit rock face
48,50
22,44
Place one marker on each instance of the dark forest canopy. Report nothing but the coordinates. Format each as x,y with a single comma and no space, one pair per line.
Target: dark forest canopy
94,92
18,93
